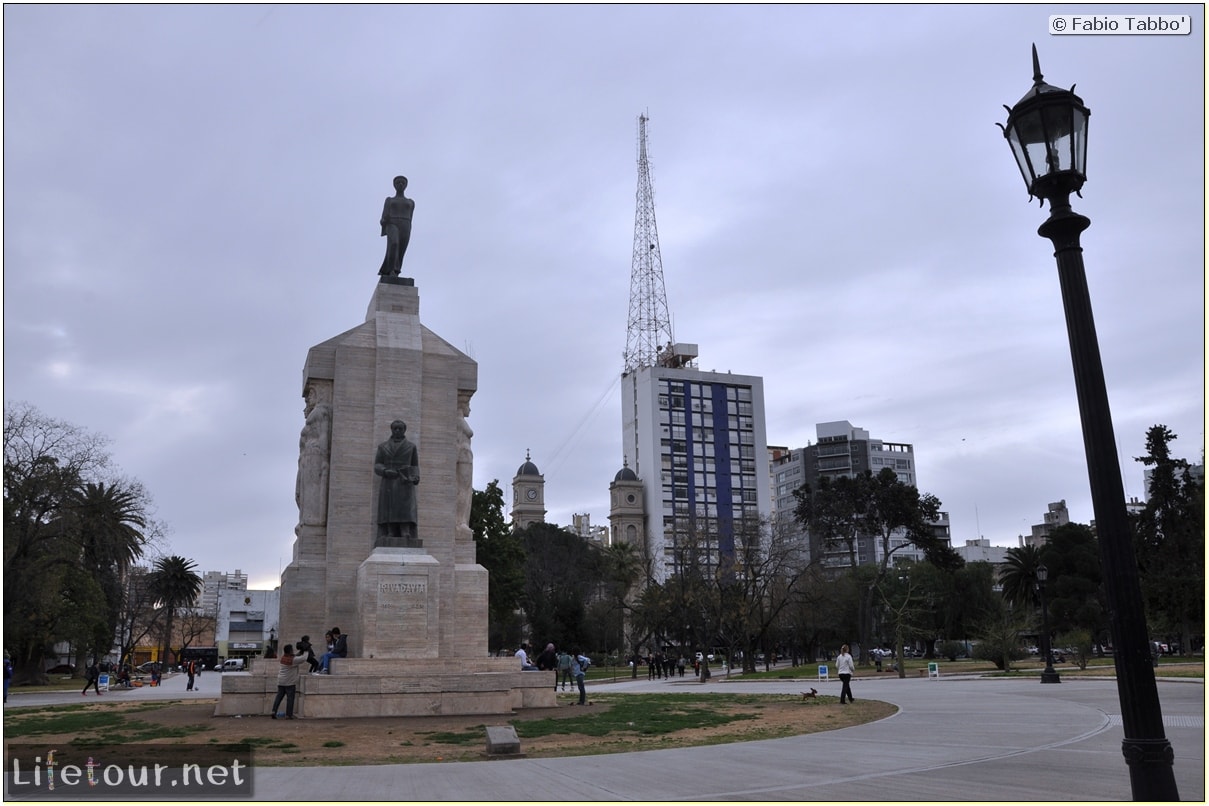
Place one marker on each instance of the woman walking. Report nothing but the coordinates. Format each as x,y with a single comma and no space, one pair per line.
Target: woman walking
845,668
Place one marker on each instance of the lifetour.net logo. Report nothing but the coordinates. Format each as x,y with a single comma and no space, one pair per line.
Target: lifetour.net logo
169,772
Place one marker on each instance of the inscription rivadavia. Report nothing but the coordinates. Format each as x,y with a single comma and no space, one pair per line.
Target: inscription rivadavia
403,587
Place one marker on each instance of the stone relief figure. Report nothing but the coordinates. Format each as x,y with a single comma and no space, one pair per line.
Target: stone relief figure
396,226
398,463
464,474
314,457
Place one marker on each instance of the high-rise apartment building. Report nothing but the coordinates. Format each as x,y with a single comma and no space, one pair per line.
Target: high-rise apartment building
843,450
697,442
213,583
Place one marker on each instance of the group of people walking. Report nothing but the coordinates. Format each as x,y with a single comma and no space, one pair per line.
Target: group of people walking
660,666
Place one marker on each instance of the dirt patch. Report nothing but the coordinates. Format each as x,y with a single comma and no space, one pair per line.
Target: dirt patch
395,740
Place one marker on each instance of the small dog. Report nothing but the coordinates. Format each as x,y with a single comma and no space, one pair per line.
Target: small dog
810,695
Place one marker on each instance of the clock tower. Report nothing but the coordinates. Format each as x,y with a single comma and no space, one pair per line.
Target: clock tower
627,515
528,495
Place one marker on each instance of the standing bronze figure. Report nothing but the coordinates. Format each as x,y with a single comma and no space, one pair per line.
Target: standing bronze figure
396,227
398,463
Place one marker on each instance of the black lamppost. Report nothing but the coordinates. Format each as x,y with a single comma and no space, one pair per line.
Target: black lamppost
1047,131
1049,675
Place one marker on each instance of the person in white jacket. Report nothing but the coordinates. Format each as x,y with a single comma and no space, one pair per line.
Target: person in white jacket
845,668
287,680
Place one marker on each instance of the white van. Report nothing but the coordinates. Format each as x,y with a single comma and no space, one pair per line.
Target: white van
232,665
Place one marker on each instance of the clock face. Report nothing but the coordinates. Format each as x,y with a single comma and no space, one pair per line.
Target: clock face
531,494
629,498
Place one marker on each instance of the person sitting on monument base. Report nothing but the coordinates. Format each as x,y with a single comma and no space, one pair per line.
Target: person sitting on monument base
397,462
339,650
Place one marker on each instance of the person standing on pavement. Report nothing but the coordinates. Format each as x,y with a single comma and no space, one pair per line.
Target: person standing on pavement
845,668
94,675
191,670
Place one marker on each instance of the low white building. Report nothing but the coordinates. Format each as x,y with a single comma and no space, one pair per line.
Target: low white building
981,551
247,621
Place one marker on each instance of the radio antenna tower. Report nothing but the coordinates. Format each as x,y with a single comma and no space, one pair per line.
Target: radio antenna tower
649,327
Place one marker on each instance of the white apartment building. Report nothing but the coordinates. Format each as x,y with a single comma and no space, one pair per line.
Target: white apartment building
697,442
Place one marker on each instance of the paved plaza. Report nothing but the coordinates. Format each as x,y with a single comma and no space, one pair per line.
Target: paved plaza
954,738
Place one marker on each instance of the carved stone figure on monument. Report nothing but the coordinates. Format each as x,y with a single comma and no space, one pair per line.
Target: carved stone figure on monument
397,462
314,456
396,226
464,475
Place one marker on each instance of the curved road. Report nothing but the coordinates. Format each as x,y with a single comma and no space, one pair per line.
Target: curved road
954,738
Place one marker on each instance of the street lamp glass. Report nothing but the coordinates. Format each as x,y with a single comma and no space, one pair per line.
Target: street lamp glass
1047,131
1042,573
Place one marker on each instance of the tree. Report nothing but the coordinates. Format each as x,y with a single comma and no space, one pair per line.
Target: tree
999,635
561,570
1019,577
622,570
1080,644
499,550
110,520
1074,591
969,601
44,461
1169,541
70,534
174,583
824,611
138,616
881,507
835,512
754,593
901,597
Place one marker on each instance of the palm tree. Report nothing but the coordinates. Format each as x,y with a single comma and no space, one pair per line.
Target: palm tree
1019,579
109,520
174,583
622,568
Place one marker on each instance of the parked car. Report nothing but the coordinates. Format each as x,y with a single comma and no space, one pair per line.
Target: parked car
147,668
62,668
233,665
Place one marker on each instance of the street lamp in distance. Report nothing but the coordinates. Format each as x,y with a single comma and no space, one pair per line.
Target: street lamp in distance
1047,131
1049,675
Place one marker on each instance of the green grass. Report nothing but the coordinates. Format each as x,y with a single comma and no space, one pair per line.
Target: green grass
333,743
92,725
631,714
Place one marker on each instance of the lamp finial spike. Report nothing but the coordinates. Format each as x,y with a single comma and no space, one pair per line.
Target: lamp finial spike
1037,77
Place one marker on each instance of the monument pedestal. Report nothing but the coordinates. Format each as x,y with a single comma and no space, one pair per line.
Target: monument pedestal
400,604
395,687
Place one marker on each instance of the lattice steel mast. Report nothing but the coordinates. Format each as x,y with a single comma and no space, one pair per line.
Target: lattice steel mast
649,327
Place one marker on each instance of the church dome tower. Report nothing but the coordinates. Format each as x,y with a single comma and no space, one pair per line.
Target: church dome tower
528,495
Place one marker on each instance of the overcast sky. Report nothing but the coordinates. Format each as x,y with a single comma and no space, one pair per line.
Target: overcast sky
192,193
